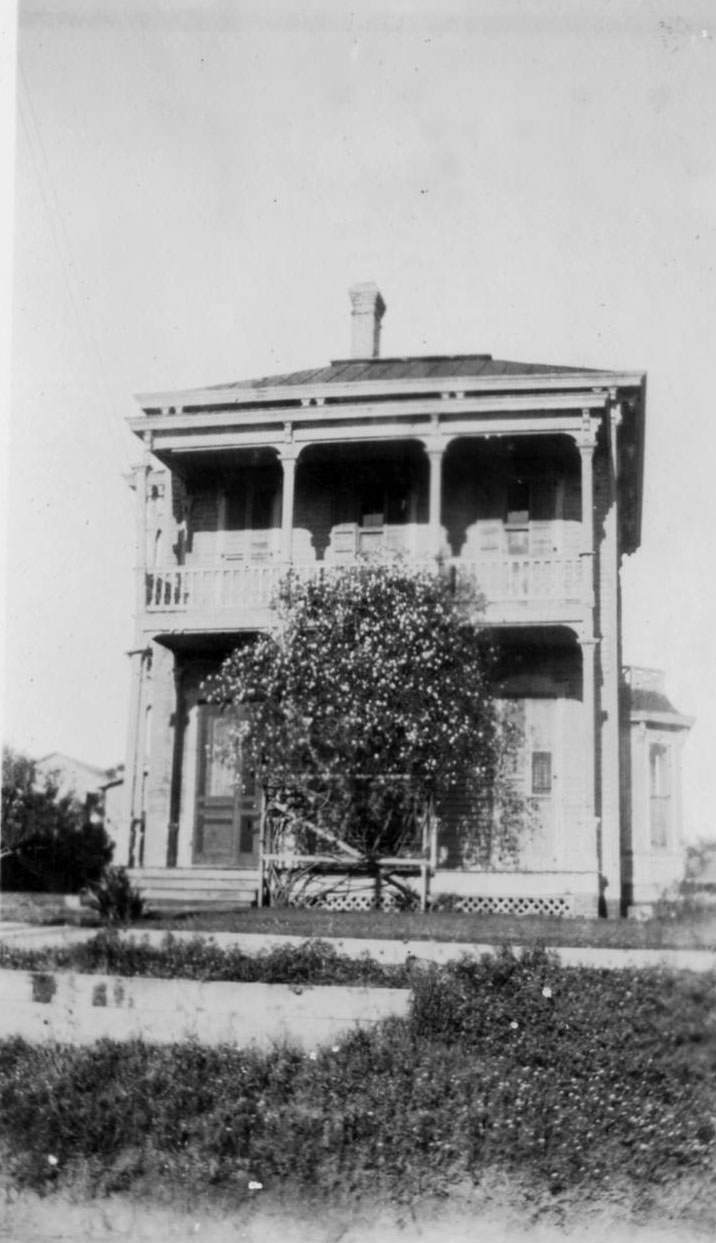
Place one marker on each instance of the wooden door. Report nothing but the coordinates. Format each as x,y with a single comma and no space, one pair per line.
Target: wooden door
227,811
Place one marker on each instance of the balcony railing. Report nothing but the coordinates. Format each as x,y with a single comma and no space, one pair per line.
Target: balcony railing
505,579
227,587
207,587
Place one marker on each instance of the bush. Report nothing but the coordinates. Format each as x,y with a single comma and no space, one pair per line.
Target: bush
315,962
49,840
114,897
376,704
691,898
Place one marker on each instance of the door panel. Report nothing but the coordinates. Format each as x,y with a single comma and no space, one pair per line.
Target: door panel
227,811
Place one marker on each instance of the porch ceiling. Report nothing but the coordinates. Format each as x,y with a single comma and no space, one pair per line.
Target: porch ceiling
213,643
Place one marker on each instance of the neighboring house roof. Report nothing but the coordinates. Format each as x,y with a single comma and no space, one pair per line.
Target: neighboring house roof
352,370
650,701
647,699
75,776
113,777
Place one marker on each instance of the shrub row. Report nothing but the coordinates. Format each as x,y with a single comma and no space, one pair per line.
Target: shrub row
577,1079
313,962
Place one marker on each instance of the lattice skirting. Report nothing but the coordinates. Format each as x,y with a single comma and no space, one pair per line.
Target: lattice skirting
352,897
522,905
356,901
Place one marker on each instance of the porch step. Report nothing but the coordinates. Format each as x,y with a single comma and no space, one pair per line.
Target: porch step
174,888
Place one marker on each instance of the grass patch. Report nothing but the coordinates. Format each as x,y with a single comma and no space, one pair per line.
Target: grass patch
696,933
314,962
45,909
572,1081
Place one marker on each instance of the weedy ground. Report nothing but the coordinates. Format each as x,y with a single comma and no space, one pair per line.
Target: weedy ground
106,953
681,928
571,1085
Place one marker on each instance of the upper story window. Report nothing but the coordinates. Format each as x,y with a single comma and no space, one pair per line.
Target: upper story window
531,506
542,772
518,518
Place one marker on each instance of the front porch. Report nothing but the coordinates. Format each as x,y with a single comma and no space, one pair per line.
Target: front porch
202,841
565,894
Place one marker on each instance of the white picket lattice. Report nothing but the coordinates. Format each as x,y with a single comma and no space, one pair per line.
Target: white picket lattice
479,904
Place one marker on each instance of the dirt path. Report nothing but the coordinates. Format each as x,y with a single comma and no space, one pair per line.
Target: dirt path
28,1218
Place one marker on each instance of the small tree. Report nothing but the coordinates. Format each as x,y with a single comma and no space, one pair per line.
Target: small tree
370,703
49,841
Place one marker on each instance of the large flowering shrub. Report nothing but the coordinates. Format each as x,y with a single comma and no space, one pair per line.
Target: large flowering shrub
368,704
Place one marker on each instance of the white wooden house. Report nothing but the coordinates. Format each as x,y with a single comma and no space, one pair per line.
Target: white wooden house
525,479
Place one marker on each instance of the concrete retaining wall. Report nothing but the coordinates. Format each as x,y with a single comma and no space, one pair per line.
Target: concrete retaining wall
78,1008
387,952
395,953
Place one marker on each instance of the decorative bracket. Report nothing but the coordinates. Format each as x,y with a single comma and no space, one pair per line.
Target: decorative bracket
588,431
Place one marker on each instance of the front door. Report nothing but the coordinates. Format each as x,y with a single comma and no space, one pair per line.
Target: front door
227,810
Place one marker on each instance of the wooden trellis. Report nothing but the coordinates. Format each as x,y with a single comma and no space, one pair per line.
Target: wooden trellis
291,875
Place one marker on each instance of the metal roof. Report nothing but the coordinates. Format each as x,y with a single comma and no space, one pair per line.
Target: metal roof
650,701
351,370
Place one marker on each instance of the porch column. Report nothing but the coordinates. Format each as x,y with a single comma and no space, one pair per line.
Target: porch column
588,645
138,483
289,457
610,665
435,448
126,853
586,446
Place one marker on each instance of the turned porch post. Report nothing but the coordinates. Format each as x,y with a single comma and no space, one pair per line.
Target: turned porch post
588,640
587,442
588,646
435,446
289,456
139,484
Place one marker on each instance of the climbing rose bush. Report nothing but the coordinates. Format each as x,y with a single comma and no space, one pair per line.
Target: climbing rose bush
370,702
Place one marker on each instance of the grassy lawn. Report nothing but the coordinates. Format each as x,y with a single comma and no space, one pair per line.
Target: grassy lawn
568,1085
698,932
453,926
41,908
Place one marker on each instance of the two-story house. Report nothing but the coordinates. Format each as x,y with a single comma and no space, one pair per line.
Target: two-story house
524,479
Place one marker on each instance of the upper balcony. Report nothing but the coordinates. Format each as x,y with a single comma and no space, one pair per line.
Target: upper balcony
509,529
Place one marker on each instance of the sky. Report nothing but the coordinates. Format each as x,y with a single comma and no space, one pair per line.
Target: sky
197,184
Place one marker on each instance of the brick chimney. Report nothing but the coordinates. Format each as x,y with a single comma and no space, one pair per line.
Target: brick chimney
368,309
